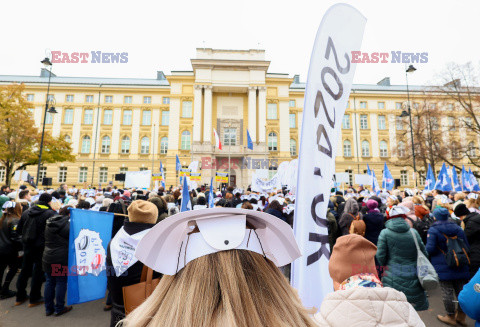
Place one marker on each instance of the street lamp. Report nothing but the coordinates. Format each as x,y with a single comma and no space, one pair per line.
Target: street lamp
408,113
49,107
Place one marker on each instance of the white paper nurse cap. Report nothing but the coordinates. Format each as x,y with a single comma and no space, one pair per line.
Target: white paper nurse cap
169,245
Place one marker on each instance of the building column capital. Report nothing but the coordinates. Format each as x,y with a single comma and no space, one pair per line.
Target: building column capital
207,87
262,88
252,88
198,86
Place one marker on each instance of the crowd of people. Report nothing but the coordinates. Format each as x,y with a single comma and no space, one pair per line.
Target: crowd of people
372,240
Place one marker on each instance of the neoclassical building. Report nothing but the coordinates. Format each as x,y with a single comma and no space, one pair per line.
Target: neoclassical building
129,124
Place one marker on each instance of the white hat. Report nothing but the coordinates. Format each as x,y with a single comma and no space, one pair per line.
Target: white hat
168,247
472,196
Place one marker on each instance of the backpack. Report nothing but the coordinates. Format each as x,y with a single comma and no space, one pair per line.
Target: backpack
422,226
29,231
456,255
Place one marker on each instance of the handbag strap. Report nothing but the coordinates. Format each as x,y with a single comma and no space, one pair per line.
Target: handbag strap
147,275
415,240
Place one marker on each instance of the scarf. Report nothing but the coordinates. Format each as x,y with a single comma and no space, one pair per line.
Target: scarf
361,280
122,249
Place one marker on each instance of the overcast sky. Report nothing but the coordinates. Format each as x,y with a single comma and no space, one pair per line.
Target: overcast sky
163,35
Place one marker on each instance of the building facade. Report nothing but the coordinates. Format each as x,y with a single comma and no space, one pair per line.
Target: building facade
126,124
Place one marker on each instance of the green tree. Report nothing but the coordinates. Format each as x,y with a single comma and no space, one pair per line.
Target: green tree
20,139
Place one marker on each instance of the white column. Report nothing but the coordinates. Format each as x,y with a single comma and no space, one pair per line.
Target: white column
135,130
197,113
252,112
174,125
284,136
374,135
96,132
77,121
116,137
392,131
207,128
262,112
57,121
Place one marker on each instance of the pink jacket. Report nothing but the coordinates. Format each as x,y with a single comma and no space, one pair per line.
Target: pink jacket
365,307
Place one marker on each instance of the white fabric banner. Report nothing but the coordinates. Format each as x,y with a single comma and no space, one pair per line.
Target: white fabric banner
329,82
363,179
138,179
259,185
342,178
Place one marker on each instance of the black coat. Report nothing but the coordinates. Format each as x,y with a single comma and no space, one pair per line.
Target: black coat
374,225
56,243
10,242
40,212
472,231
276,213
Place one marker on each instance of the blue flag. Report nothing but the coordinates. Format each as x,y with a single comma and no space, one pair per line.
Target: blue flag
163,175
444,183
186,204
387,180
90,233
466,186
178,164
430,180
210,195
375,185
473,181
456,183
249,141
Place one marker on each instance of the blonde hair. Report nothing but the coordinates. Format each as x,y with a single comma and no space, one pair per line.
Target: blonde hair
459,196
229,288
417,200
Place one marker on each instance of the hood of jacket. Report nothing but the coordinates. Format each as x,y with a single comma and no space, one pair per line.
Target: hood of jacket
38,210
397,225
362,306
56,223
473,216
448,227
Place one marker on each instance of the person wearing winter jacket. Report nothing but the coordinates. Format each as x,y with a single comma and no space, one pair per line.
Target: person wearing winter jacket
32,227
55,263
451,279
373,221
123,267
351,212
471,221
469,298
276,209
359,298
397,251
10,244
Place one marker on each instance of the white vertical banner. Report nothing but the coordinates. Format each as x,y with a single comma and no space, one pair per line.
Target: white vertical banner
330,78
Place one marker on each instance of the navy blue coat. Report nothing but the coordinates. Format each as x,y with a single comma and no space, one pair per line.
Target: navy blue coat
436,240
374,225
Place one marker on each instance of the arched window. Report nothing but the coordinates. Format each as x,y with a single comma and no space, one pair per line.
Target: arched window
185,144
86,144
125,145
164,145
365,149
68,138
471,150
401,149
272,141
383,149
347,148
145,145
106,144
293,147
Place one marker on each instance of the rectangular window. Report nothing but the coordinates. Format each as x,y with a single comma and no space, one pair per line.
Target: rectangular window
30,98
83,174
50,97
31,110
381,105
146,117
69,98
451,124
143,168
89,99
88,117
350,176
103,175
363,104
165,117
432,106
127,99
68,116
2,174
62,174
127,117
230,136
450,106
43,173
346,122
399,124
107,117
272,111
363,122
166,100
434,121
147,100
382,123
291,103
398,105
468,122
108,99
123,170
403,177
49,118
292,120
187,109
421,177
416,105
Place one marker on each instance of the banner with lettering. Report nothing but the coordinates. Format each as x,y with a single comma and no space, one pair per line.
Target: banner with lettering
221,177
184,172
197,177
260,185
329,82
157,177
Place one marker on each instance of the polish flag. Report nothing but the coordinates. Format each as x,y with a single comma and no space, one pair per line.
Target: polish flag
218,144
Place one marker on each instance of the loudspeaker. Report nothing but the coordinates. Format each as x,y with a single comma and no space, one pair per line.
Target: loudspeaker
397,182
47,181
120,177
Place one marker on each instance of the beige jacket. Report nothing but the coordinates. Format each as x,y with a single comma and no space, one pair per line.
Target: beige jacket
364,307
